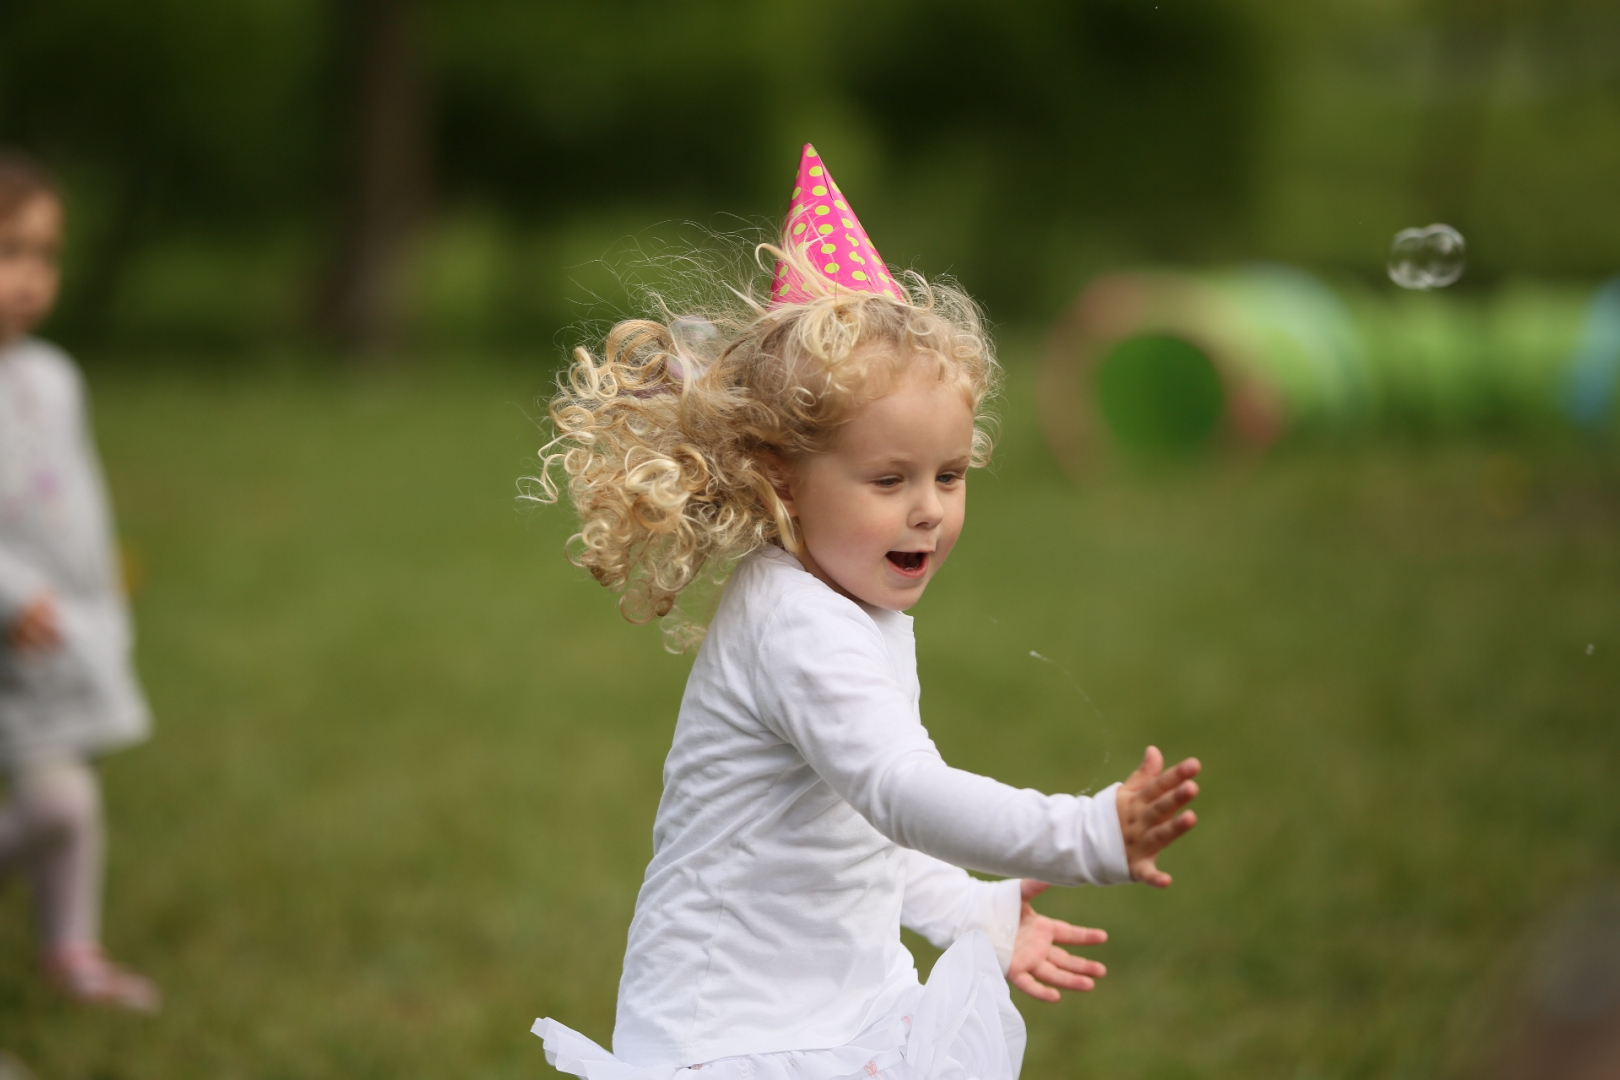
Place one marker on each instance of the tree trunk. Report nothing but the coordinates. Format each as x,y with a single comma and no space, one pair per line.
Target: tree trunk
385,176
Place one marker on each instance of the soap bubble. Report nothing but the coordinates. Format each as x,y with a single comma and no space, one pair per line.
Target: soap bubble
1429,258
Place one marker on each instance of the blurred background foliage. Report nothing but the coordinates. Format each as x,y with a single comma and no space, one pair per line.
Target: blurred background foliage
377,172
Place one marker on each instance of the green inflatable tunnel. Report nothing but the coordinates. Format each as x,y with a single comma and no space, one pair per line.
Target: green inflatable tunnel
1157,366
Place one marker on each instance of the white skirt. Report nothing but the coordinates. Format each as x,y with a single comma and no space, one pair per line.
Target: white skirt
960,1026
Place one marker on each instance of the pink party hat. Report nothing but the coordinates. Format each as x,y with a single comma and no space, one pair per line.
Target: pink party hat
823,228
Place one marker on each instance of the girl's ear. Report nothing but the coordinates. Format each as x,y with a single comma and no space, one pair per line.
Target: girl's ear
780,477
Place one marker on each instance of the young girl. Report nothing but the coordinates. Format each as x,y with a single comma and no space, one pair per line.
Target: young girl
822,442
66,687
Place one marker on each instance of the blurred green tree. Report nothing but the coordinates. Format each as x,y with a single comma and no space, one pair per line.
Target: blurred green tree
985,135
265,168
169,117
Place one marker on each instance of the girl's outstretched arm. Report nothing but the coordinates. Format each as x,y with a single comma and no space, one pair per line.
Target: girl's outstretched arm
822,681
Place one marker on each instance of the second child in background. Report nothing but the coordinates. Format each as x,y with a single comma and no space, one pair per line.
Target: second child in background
67,688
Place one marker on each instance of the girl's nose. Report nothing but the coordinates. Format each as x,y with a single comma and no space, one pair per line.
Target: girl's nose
927,511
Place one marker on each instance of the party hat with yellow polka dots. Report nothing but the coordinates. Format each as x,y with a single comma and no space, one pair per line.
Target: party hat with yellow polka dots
827,236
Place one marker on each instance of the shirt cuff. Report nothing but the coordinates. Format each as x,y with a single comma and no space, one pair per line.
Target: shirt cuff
1006,907
1102,839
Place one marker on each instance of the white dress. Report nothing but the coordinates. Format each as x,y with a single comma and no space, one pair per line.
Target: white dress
806,817
960,1026
56,536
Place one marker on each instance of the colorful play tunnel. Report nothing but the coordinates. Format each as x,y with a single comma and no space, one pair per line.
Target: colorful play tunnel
1157,366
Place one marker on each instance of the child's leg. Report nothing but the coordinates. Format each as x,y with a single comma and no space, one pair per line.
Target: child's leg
53,828
59,802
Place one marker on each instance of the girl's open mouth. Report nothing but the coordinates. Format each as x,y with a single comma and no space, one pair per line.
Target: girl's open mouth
909,563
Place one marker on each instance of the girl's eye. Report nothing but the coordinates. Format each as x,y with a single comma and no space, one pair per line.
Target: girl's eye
889,481
948,478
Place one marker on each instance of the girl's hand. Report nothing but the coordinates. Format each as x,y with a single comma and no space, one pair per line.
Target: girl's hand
1148,804
36,627
1040,964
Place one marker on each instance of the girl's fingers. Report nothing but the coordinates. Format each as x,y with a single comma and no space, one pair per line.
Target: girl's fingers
1168,779
1162,836
1069,934
1167,804
1152,762
1152,875
1053,975
1078,965
1147,871
1026,982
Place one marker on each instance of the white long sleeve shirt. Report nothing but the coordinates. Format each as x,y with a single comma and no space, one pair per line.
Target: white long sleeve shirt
806,817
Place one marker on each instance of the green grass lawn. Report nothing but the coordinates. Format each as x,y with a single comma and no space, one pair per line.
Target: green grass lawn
406,761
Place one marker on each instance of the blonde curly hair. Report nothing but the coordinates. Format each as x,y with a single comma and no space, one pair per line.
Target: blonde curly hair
669,438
